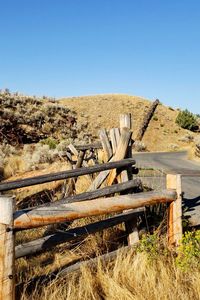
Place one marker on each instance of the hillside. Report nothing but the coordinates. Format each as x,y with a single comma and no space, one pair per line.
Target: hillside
26,120
36,121
163,134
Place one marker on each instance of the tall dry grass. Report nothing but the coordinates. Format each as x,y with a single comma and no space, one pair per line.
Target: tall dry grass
130,276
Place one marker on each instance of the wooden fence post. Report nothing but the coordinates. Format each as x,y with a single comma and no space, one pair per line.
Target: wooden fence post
7,253
125,121
131,225
175,210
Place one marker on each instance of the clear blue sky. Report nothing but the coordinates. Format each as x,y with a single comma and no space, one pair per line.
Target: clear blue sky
149,48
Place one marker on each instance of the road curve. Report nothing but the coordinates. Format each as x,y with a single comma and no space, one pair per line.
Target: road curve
177,163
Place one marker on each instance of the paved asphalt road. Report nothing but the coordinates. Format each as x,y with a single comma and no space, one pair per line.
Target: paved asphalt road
177,162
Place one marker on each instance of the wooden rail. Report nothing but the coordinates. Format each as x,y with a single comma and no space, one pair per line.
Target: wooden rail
106,191
52,240
31,218
89,146
10,185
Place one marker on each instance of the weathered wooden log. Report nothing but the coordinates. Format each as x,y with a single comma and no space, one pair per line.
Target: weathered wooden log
80,159
105,144
7,253
121,151
10,185
113,139
45,243
120,154
106,191
73,150
71,183
67,271
146,120
92,263
89,146
41,216
125,121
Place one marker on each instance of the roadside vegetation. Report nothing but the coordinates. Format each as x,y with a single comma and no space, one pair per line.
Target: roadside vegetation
151,271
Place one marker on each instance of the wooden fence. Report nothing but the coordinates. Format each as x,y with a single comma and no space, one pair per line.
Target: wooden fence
118,168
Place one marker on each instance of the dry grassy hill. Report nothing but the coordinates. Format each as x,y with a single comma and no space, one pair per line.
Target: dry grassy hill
163,134
41,121
28,120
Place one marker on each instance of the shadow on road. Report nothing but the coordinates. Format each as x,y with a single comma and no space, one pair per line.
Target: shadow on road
189,204
189,211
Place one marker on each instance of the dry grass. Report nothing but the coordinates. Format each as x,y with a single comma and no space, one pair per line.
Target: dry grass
129,277
163,134
151,274
22,193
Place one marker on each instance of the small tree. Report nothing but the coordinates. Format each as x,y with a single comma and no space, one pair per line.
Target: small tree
187,120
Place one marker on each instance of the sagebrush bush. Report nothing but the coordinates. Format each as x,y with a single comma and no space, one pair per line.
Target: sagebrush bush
41,154
189,251
52,143
187,120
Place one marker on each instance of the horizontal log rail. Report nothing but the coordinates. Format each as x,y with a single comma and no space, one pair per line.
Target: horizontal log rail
41,216
46,243
93,262
10,185
88,147
130,185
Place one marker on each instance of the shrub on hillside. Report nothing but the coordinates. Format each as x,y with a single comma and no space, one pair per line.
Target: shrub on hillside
187,120
52,143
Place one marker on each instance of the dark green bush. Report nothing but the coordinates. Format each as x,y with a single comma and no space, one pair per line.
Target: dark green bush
187,120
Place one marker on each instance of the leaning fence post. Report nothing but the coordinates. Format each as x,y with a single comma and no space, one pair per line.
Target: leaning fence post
175,210
7,280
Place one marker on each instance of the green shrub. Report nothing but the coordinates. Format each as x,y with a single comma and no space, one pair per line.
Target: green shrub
153,245
187,120
52,143
189,251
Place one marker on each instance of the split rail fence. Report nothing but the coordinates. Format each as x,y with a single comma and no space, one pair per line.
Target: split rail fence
117,175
